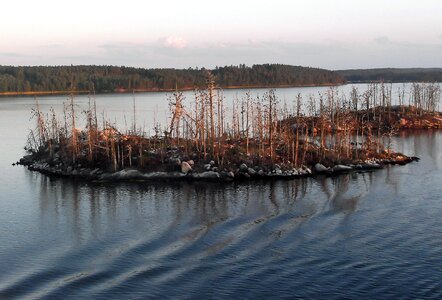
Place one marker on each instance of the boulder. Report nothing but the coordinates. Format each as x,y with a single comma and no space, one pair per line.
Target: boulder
302,172
191,162
94,172
207,167
128,174
105,176
251,171
226,175
371,165
212,163
306,169
320,168
243,176
185,167
341,168
160,175
176,161
243,168
26,160
209,175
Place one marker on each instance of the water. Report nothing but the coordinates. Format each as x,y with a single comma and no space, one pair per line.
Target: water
371,235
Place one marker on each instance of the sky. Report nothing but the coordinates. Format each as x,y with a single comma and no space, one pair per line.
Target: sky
331,34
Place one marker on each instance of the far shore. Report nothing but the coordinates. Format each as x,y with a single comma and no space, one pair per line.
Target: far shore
125,91
44,93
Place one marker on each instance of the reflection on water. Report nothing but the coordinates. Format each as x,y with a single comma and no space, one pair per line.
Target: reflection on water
91,208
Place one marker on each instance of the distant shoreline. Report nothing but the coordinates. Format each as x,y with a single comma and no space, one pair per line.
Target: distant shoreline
123,91
44,93
231,87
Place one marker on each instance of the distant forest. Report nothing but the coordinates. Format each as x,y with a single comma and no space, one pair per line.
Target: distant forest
393,75
127,79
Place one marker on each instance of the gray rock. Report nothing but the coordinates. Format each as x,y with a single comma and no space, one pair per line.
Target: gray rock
212,163
302,172
243,175
243,168
371,165
26,160
306,169
278,172
209,175
105,176
128,174
207,167
320,168
341,168
95,172
261,173
156,175
251,171
231,174
185,167
176,161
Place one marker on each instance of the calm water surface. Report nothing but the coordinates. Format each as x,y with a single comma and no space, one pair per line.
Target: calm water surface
370,235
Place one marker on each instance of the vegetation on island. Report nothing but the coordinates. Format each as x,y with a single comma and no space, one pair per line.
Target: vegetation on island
126,79
254,137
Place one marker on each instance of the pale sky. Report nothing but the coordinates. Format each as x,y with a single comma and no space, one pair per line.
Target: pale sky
333,34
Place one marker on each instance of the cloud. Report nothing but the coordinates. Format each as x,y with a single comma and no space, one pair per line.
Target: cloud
382,40
175,42
11,54
331,55
176,53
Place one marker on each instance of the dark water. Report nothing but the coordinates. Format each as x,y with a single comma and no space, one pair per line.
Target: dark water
368,235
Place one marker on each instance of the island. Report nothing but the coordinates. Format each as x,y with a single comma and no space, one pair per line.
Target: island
255,138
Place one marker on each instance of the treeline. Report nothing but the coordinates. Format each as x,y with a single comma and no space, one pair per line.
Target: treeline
273,75
121,79
393,75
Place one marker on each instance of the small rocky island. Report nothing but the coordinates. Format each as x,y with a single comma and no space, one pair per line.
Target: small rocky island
256,138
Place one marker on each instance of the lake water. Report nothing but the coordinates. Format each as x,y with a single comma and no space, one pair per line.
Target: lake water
370,235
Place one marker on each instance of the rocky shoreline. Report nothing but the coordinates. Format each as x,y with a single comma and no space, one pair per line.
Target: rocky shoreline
187,171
